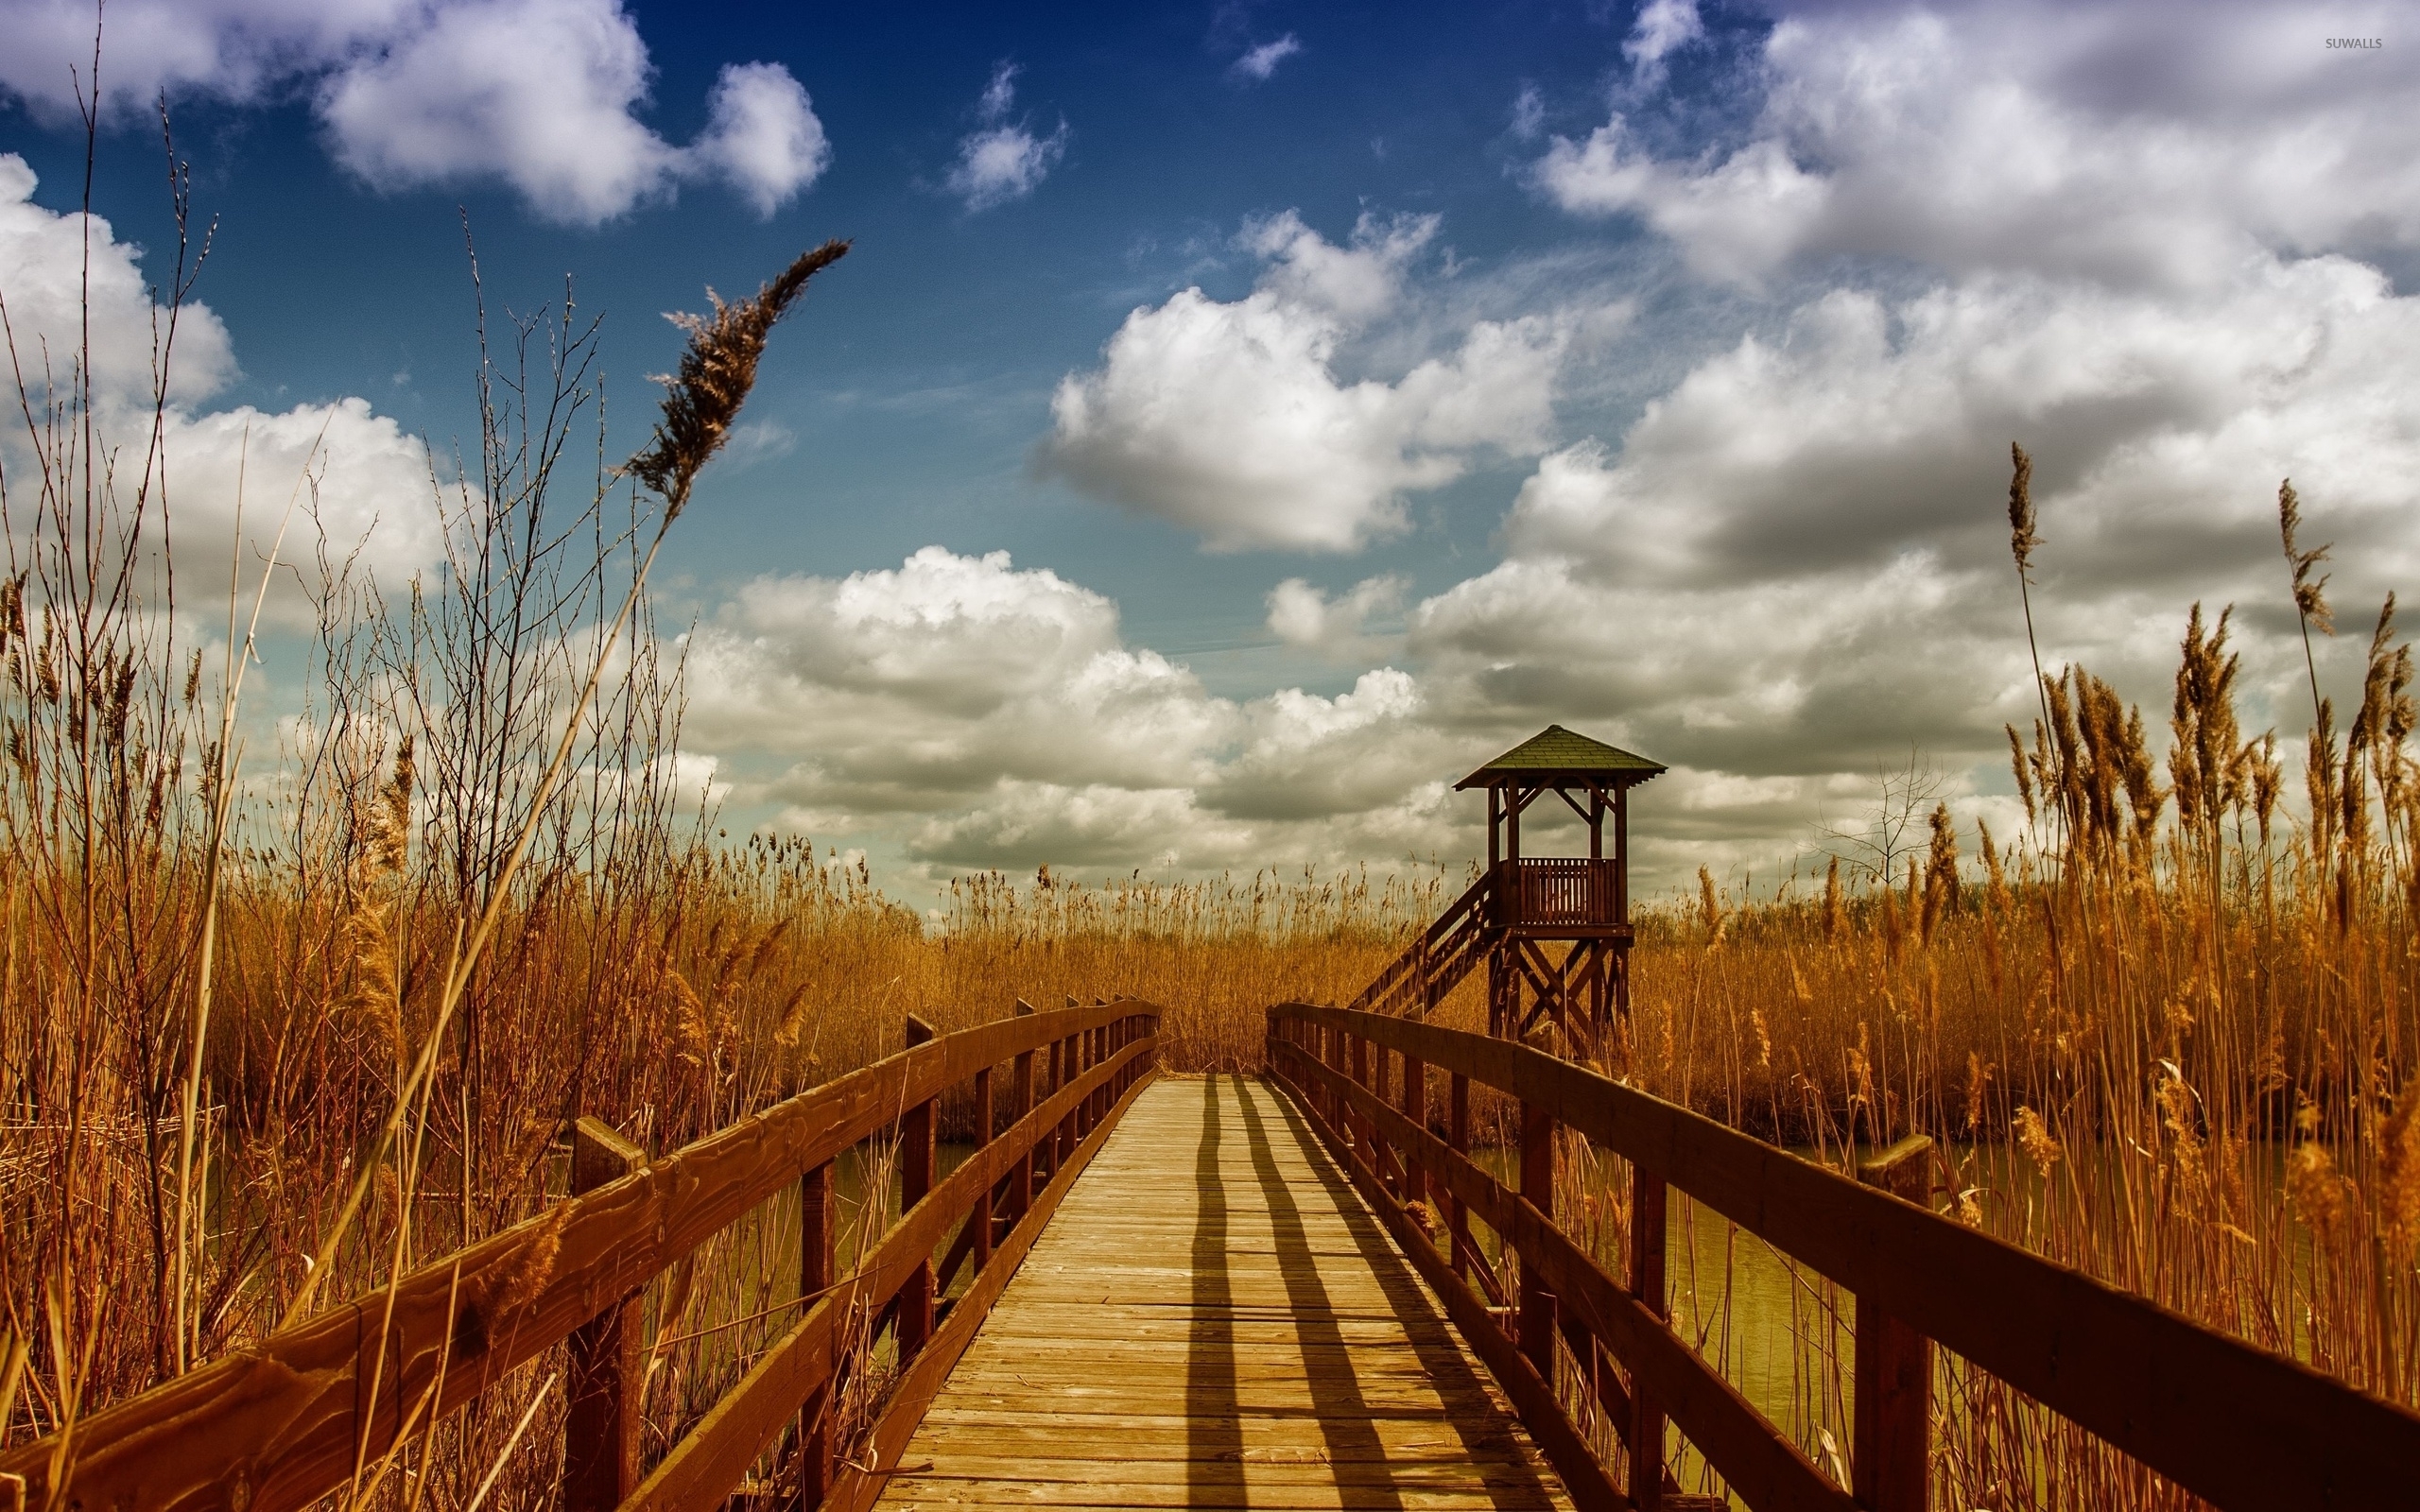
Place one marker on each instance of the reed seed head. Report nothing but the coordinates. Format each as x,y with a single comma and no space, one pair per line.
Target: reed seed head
718,369
2399,1169
2034,1135
1942,892
2311,599
2022,537
2315,1189
2017,764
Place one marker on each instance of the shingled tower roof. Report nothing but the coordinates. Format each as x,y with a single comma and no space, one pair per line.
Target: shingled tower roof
1555,751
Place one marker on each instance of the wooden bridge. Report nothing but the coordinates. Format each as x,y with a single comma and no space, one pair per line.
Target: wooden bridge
1230,1293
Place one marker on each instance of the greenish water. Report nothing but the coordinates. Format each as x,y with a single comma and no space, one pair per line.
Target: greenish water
1777,1331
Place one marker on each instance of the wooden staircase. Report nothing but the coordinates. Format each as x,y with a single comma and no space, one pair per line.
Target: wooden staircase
1506,919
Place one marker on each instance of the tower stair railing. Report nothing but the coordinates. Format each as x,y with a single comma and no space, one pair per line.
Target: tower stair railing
1446,951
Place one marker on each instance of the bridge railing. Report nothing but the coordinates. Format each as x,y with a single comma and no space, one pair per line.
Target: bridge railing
318,1408
2232,1423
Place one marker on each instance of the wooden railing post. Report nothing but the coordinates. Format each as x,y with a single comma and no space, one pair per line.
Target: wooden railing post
1646,1284
1890,1437
1095,1103
814,1276
915,1180
1080,1061
1070,1131
1537,1189
1365,1134
602,1419
981,1216
1021,1098
1087,1056
1045,1150
1380,1154
1329,1041
1458,1134
1340,1046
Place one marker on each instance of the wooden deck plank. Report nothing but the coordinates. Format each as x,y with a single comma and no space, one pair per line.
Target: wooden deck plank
1213,1319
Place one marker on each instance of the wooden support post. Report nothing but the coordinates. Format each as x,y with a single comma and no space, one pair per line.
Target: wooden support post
1647,1284
1537,1189
601,1422
1621,855
1415,1107
915,1180
815,1276
1892,1435
1458,1134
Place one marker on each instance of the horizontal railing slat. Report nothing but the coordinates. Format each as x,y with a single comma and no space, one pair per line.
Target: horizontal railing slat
280,1424
2234,1424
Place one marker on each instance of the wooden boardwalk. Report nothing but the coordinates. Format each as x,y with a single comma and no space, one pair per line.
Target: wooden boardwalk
1214,1319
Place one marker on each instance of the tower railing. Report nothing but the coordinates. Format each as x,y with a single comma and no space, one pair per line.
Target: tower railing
1554,890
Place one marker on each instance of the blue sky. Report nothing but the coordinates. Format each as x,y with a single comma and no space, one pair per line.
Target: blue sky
1352,390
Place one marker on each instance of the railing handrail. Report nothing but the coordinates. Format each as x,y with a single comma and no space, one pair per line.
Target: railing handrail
2227,1420
282,1422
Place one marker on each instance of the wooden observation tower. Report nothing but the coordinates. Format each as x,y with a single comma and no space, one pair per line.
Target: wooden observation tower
1522,904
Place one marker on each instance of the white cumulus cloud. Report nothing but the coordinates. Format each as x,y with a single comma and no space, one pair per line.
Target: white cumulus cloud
358,476
45,279
1003,160
1231,418
544,95
1260,62
764,138
537,92
1796,560
1339,628
2146,144
1663,26
986,716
